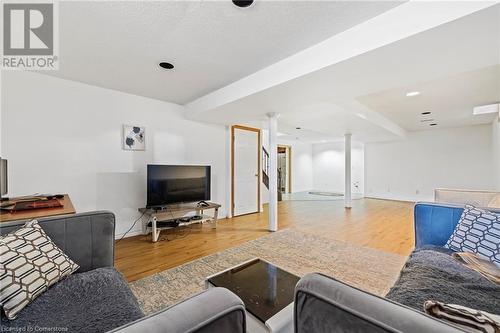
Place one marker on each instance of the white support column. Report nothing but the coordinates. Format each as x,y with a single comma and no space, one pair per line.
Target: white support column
229,189
263,193
273,171
348,182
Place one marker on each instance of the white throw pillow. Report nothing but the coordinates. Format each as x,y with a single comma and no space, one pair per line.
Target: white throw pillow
29,264
478,231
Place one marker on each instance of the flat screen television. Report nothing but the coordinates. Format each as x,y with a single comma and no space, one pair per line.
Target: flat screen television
170,184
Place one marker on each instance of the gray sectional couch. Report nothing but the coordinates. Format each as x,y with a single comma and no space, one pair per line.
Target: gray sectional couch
215,310
97,298
325,305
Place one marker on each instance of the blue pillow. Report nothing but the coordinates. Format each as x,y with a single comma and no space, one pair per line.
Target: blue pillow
478,231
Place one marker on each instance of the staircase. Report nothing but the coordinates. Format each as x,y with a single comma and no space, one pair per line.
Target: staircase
265,171
265,167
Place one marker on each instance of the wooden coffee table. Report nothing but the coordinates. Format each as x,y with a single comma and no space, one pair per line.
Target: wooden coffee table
266,290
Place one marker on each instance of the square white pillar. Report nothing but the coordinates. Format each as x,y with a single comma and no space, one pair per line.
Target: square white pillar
348,181
273,171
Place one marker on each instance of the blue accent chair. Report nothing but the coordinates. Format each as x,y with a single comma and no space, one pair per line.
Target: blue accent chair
435,222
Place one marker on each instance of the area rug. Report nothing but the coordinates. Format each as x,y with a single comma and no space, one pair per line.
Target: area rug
369,269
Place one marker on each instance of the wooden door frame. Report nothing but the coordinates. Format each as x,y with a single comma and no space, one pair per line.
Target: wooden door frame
259,148
289,174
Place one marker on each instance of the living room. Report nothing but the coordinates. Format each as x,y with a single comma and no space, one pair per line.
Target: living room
333,137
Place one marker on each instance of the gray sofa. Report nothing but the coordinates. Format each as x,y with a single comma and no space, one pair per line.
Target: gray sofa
215,310
97,298
325,305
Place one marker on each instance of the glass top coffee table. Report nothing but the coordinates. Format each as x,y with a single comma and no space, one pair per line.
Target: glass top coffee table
266,290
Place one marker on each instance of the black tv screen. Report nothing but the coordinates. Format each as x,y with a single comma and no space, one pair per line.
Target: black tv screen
169,184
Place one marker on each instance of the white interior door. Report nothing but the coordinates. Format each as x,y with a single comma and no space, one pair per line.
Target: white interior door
245,171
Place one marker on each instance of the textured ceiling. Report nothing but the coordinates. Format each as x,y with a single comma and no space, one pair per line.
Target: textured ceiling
118,45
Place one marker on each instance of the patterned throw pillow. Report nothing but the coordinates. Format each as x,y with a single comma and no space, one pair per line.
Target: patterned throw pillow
29,264
478,231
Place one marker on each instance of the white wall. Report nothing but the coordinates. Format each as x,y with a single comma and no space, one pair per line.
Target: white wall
495,139
302,165
329,165
62,136
321,166
411,169
1,107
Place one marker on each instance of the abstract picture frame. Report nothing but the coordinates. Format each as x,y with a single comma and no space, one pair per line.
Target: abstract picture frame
134,137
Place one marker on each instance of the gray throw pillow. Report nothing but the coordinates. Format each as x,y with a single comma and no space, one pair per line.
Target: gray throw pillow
478,231
29,264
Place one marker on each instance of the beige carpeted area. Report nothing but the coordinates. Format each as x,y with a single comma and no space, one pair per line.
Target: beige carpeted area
299,253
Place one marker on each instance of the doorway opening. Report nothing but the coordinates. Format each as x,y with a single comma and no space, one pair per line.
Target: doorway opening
284,170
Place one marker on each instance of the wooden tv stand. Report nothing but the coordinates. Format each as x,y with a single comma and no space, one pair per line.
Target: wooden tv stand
165,213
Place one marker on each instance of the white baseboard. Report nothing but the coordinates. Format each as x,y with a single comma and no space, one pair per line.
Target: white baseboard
131,233
390,197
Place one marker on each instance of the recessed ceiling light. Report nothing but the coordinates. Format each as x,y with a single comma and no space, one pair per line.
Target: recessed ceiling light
166,65
426,112
433,124
412,93
426,120
243,3
298,128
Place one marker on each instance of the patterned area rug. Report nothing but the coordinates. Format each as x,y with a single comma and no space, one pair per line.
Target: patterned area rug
369,269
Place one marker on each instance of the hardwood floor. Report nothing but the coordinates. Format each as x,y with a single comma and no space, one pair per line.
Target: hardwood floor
381,224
